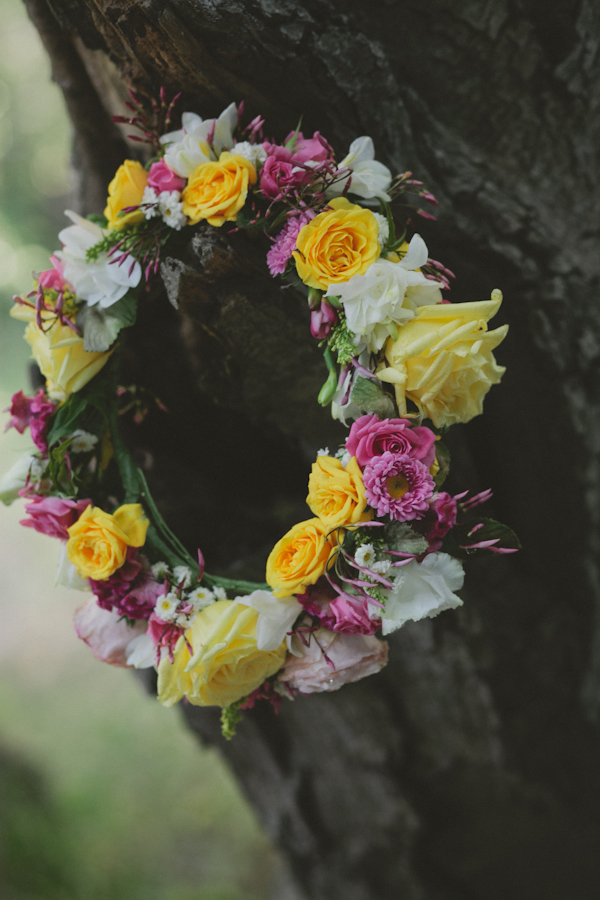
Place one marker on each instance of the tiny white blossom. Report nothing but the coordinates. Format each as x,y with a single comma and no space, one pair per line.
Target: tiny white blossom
323,452
384,228
345,458
365,555
160,570
149,203
166,607
220,593
381,567
200,598
171,209
183,620
182,574
254,153
82,441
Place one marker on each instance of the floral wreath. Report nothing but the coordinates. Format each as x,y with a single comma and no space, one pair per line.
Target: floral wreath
385,545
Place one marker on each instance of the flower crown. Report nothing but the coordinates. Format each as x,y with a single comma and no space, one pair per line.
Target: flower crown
385,545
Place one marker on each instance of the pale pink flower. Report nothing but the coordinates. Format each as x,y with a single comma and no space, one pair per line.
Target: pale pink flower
106,633
331,660
53,279
398,486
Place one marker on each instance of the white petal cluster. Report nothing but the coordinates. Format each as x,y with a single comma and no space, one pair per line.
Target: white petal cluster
200,598
384,228
100,281
160,570
388,293
423,590
182,574
276,615
82,441
167,205
188,147
369,179
254,153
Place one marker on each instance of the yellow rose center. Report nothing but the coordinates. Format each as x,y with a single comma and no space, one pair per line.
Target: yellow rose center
397,486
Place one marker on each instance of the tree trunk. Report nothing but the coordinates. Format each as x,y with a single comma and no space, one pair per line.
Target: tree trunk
470,767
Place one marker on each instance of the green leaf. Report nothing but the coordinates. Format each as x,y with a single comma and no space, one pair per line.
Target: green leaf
102,221
459,540
100,326
442,455
59,472
370,397
87,409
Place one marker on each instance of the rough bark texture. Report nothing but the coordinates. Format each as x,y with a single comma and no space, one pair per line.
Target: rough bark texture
470,768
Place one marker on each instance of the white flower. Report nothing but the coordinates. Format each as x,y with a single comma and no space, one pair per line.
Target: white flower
171,209
423,590
149,203
365,555
381,567
369,178
15,479
166,607
219,592
182,574
254,153
82,441
188,147
141,652
99,281
276,615
200,598
323,452
160,570
384,228
67,574
183,620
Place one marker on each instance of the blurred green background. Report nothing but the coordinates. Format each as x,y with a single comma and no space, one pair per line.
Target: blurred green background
103,793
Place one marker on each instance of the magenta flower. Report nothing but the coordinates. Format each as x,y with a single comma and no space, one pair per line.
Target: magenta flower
131,590
163,634
280,172
350,616
370,437
162,178
53,515
439,520
322,319
398,485
53,279
32,411
285,242
315,149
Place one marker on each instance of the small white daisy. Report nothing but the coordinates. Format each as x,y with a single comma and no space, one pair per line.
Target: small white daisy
200,598
365,555
220,593
182,574
166,607
160,570
82,441
171,209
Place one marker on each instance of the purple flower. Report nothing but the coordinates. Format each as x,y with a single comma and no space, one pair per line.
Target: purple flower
131,590
53,515
370,436
398,485
32,411
285,242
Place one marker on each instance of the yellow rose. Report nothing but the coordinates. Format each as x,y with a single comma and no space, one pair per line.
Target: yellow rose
336,495
337,244
59,353
216,191
126,189
443,360
225,664
299,558
98,541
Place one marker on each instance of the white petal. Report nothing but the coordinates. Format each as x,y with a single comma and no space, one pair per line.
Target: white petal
67,574
141,652
362,149
275,617
416,255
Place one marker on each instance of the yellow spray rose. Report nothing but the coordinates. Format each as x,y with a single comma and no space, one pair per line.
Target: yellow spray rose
59,353
126,189
225,664
216,191
299,558
98,541
337,244
336,495
443,360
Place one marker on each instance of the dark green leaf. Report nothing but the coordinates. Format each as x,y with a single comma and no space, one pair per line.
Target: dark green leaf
442,455
370,397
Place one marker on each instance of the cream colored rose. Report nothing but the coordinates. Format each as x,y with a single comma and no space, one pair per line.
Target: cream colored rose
443,360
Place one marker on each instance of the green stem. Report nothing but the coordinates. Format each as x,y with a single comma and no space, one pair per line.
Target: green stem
233,584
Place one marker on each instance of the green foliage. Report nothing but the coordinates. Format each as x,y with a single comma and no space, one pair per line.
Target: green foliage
442,455
458,542
59,472
400,536
88,408
230,718
370,397
341,341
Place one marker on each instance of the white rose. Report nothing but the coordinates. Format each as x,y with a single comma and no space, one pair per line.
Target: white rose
423,590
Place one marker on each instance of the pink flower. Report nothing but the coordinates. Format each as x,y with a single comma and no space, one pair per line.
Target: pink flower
438,521
371,436
32,411
163,634
279,173
285,242
162,178
332,660
398,486
131,590
322,319
53,279
350,616
53,515
315,149
265,692
105,633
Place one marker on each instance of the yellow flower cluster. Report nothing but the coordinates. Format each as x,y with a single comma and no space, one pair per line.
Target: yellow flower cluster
98,541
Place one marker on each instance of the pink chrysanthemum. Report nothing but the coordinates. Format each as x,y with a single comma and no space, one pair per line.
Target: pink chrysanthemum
285,242
398,485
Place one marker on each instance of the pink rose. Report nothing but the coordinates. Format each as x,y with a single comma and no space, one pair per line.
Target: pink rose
315,149
350,616
32,411
53,279
371,436
53,515
279,173
106,633
332,660
162,178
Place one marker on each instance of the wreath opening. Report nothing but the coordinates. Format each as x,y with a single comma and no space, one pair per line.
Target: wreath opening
382,542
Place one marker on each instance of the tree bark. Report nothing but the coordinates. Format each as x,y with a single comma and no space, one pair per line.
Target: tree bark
470,767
